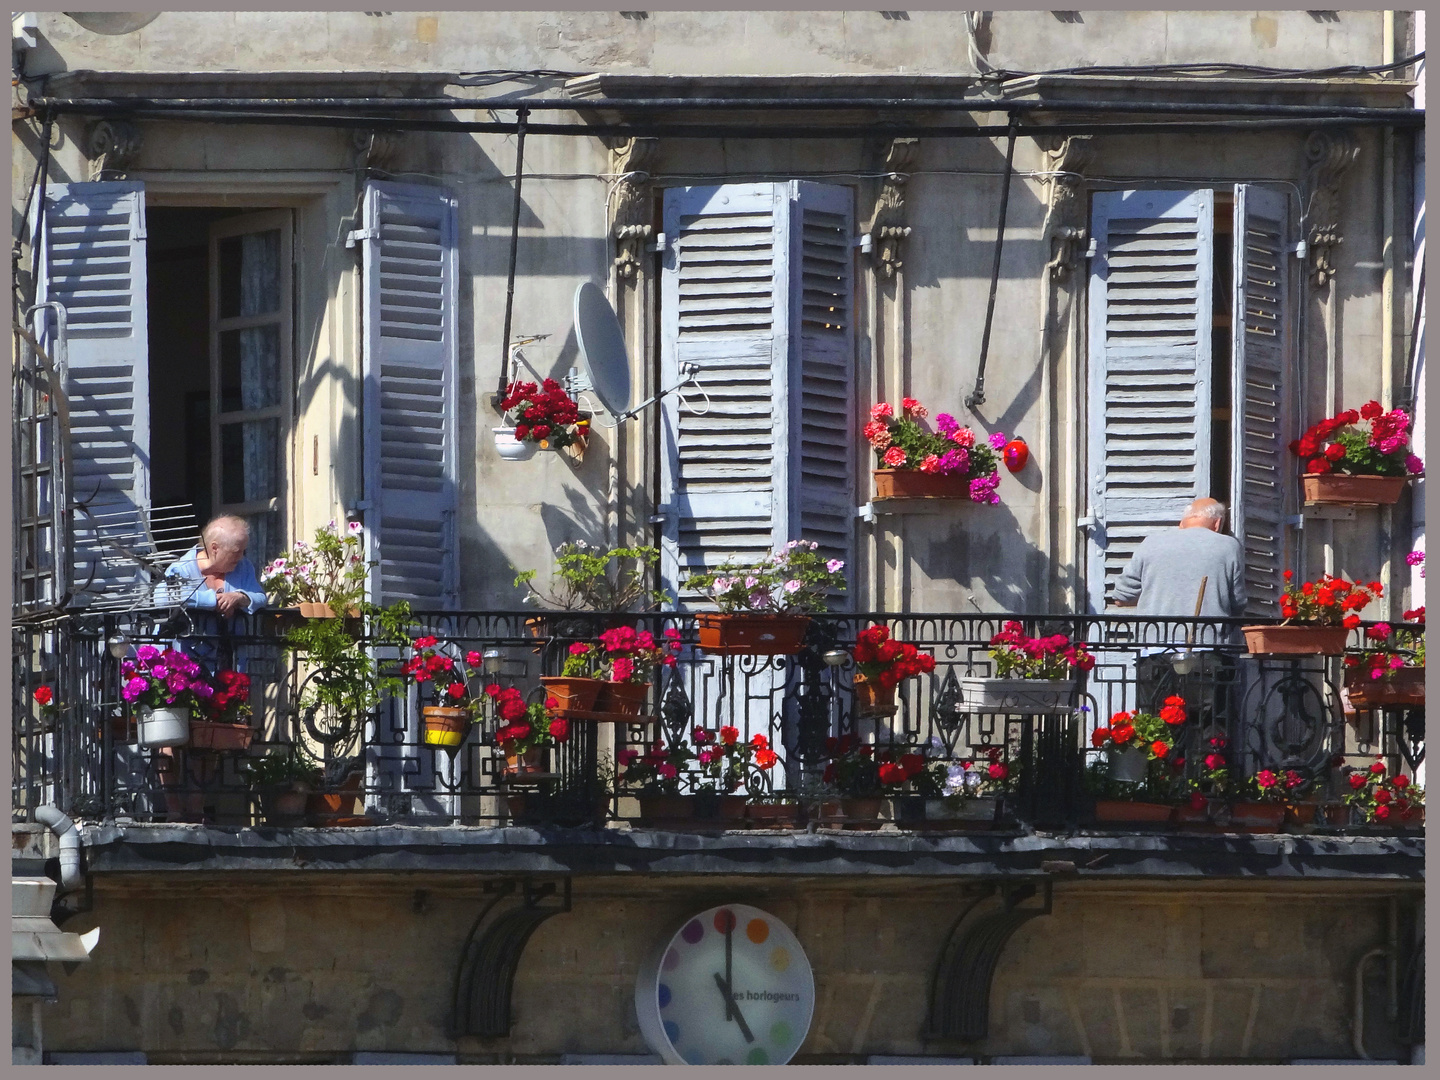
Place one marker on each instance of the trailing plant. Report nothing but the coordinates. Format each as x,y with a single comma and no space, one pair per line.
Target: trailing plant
901,441
795,579
882,659
1329,601
330,570
1018,656
346,679
1360,442
591,578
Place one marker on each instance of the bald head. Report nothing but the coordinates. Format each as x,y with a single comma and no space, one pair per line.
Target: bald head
1205,514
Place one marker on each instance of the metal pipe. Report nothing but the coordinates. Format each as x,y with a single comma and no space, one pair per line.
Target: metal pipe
978,396
1358,1032
64,829
514,247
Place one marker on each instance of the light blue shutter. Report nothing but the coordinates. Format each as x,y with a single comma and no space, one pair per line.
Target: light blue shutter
90,259
1261,345
1149,400
410,276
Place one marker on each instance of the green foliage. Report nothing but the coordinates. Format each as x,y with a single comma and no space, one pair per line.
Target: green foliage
591,578
330,570
1362,459
282,767
346,678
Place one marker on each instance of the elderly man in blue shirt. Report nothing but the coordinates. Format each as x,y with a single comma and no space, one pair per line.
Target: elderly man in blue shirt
215,576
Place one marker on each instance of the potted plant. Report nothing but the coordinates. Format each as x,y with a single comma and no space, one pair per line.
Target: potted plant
542,417
1210,788
591,578
657,773
1032,674
1383,799
1138,747
628,657
527,733
162,688
1350,465
765,608
1269,791
324,579
1391,671
344,684
729,763
335,803
283,779
447,722
862,776
226,722
970,791
1317,617
947,463
881,663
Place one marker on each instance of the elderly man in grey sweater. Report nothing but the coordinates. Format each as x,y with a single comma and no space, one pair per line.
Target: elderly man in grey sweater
1164,575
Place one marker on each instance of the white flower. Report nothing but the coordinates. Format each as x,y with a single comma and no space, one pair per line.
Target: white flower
835,565
751,583
792,586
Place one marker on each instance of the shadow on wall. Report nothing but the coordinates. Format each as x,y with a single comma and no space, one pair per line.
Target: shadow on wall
988,546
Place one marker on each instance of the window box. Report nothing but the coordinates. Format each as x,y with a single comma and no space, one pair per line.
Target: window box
914,484
1120,810
214,735
1346,490
1296,640
755,635
1405,686
1024,696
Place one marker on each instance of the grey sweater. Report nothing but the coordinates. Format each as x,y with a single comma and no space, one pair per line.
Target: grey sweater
1164,574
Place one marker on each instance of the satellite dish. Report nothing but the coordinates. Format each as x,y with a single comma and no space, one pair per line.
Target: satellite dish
602,346
113,22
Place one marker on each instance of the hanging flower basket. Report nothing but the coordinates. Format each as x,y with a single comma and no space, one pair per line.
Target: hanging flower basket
162,727
1121,810
445,725
1348,490
1024,696
572,694
1296,640
512,449
914,484
219,736
873,698
1405,686
752,634
1128,766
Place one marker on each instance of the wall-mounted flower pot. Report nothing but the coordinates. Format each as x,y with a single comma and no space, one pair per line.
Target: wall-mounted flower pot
1128,766
217,736
510,448
1120,810
577,695
1024,696
1353,490
624,698
914,484
444,725
1405,686
773,815
1296,640
1257,816
752,634
872,698
162,727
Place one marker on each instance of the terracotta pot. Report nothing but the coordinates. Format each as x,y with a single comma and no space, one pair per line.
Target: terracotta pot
1296,640
1301,814
528,764
872,699
752,634
914,484
445,725
1405,686
773,815
726,811
661,809
1119,810
1027,697
576,695
1185,814
1353,490
1257,817
285,804
336,808
861,813
214,735
624,698
317,611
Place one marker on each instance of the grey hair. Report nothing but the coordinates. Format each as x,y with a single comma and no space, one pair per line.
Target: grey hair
228,531
1212,512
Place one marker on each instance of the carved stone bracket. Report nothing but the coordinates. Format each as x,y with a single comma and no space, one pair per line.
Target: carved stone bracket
1328,156
632,226
111,146
377,149
887,228
1066,157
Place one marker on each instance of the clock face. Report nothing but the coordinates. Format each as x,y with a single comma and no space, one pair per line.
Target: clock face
732,987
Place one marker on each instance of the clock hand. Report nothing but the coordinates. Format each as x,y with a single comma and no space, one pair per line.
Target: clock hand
732,1009
729,976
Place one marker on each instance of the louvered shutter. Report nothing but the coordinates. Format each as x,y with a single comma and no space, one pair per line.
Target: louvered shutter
1149,411
90,258
410,362
1261,343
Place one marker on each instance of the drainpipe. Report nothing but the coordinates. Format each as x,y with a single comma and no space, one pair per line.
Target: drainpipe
61,825
1387,308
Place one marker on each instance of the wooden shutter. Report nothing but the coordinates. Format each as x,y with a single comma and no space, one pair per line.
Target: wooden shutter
409,369
1261,342
90,258
1149,412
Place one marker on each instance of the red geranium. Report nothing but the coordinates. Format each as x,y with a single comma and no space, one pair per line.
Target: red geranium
882,660
544,414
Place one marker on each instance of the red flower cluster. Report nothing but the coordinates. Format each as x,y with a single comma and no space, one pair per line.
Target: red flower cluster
1017,655
427,665
231,697
544,412
764,756
44,695
1352,452
897,772
1146,731
885,661
631,654
1384,798
1328,601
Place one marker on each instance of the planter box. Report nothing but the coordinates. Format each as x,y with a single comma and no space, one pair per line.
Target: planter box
1257,817
162,727
1353,490
773,815
445,725
1405,686
852,813
751,634
719,811
623,698
577,695
1128,766
213,735
914,484
1296,640
980,812
872,699
1185,814
662,810
1118,810
1024,696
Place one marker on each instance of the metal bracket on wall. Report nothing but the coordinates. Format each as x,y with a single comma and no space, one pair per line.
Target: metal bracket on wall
485,975
1329,512
960,990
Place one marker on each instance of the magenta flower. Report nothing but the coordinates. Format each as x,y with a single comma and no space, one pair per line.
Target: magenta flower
1414,466
1416,558
982,489
998,440
946,424
954,462
146,653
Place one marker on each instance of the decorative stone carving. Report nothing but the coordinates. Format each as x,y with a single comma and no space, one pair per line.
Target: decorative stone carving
377,149
1066,157
1329,153
887,228
632,226
111,146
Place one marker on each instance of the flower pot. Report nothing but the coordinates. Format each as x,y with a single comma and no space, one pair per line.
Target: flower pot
214,735
317,611
666,809
1405,686
724,811
914,484
1353,490
1128,766
510,448
578,695
773,815
445,725
1024,696
1296,640
1119,810
284,804
1257,816
973,813
861,813
873,699
1185,814
162,727
624,698
1302,813
525,766
752,634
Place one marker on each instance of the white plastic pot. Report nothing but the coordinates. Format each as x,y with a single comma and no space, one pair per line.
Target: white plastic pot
1023,696
1128,766
163,727
511,448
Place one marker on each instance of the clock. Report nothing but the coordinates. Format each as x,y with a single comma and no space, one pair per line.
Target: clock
731,987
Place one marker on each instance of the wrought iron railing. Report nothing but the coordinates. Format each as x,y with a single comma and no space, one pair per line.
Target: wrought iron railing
1278,713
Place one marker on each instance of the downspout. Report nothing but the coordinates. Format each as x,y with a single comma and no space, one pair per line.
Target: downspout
1387,310
69,836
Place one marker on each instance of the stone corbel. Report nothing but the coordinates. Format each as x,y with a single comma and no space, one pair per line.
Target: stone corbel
111,146
633,225
887,229
1328,156
377,150
1066,157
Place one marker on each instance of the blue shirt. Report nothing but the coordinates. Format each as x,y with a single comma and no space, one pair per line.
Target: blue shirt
210,643
190,582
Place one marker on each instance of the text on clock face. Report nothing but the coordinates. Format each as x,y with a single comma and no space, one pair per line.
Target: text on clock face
763,995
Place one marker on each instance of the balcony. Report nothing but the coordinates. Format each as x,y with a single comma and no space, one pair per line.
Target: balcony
393,799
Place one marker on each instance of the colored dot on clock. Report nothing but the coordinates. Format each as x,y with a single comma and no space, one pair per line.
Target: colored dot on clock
757,1056
780,1033
724,920
672,957
664,995
693,932
695,1057
757,930
779,959
672,1031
